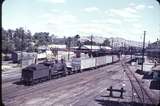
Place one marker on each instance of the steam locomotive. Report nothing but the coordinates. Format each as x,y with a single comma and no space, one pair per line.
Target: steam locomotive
37,73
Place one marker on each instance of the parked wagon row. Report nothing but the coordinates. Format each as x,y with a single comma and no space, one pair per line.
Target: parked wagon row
18,57
48,70
94,62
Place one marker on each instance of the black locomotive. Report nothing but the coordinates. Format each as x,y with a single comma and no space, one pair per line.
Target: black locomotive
43,71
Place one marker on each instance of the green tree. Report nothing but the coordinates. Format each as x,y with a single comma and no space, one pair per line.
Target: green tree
87,42
106,42
77,36
22,39
76,40
7,43
42,38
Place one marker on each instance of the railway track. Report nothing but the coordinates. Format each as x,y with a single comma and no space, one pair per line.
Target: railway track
65,90
47,86
139,91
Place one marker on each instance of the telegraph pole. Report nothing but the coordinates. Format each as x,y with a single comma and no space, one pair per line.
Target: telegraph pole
112,49
90,52
131,52
91,42
22,46
69,46
143,50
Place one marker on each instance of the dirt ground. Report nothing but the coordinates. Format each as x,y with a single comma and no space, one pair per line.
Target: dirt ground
88,88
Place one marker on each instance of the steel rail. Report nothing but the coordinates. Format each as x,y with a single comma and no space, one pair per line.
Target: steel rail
132,84
152,100
137,86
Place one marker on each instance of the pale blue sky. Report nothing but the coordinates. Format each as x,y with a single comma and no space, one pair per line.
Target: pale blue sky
108,18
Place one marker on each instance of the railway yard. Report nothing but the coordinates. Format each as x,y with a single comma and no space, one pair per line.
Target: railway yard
88,88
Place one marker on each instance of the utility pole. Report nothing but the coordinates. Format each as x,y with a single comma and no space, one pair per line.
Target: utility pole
112,44
143,50
22,46
91,42
69,46
112,49
131,52
90,51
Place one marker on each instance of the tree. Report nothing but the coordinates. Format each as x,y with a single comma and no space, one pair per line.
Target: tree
68,42
7,43
76,40
87,42
42,38
18,40
106,42
22,39
77,36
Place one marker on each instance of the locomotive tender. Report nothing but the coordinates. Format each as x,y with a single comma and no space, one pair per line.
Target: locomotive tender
48,70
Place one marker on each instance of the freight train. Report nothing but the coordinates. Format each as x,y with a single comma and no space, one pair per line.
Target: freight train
48,70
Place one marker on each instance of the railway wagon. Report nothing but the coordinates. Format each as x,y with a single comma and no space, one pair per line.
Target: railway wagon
79,64
35,72
115,58
100,61
18,56
88,63
82,64
108,59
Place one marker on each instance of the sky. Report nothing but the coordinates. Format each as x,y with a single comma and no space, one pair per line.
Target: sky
106,18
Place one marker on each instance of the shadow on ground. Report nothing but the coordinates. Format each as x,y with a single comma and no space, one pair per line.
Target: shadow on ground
117,103
18,83
37,81
138,71
148,75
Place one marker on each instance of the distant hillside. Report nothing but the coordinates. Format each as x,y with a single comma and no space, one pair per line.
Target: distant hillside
96,39
117,41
